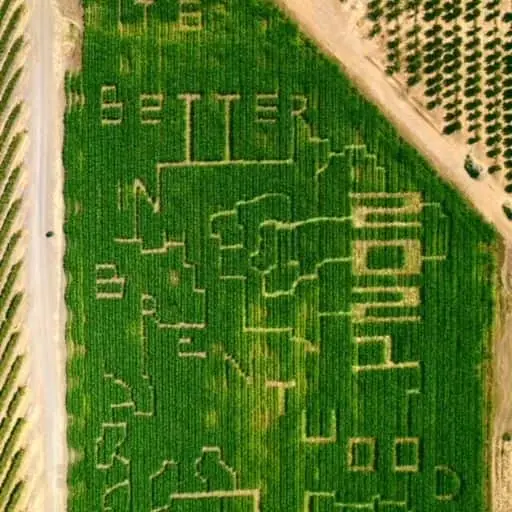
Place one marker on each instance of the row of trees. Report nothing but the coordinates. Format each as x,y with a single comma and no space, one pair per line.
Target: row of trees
457,50
507,97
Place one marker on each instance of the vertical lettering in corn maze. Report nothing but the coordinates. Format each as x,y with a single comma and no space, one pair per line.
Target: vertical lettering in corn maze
276,305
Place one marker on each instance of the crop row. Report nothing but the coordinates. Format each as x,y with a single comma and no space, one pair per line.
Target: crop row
12,361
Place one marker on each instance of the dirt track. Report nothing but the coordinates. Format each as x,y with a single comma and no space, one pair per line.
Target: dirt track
502,460
45,311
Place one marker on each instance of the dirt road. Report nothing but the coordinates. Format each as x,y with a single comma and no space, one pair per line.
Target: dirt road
45,310
502,456
332,24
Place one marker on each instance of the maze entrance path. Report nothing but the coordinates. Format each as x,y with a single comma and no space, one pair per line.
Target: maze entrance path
276,306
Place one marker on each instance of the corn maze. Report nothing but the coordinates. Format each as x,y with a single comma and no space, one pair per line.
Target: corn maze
275,304
13,459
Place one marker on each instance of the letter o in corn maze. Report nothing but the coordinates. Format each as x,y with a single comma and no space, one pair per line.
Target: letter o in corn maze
271,290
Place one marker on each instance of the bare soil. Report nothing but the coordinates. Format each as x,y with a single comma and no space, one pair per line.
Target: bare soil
53,43
502,421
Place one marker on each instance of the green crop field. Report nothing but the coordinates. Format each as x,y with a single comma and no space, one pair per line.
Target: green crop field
275,303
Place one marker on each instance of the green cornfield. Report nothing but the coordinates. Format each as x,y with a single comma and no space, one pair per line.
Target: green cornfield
275,304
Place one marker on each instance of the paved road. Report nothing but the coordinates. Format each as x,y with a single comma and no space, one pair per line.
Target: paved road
44,258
